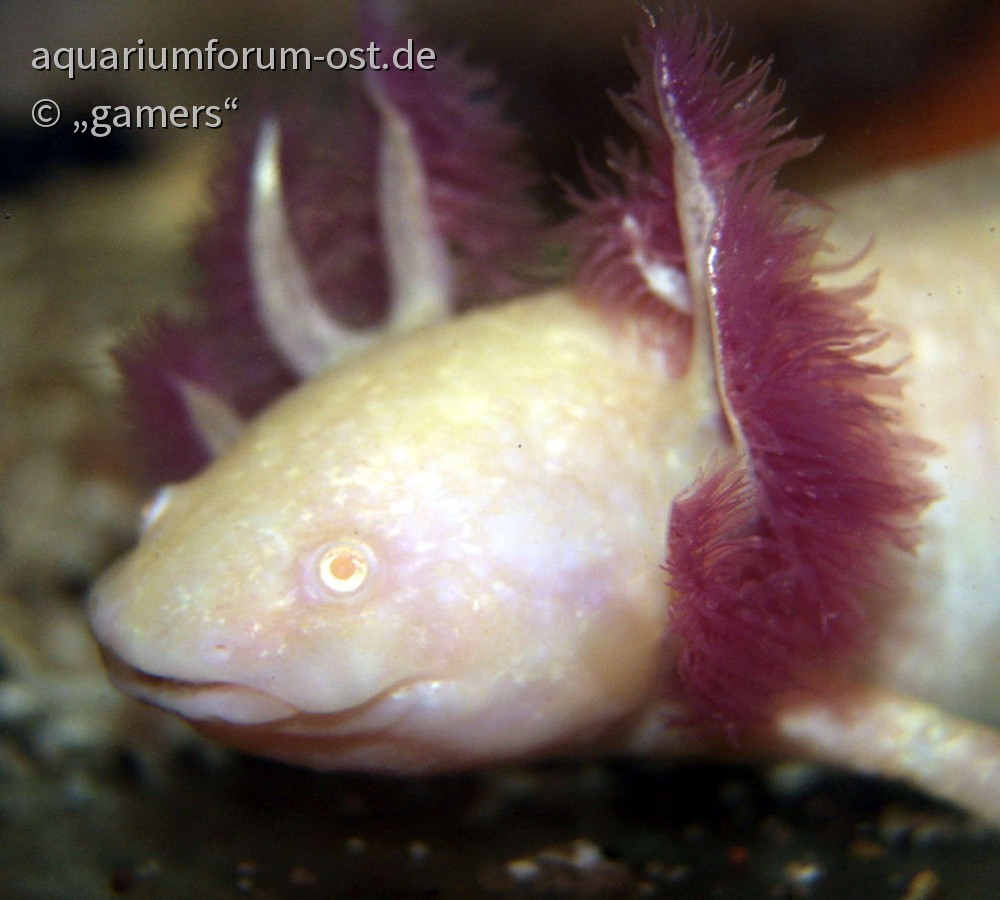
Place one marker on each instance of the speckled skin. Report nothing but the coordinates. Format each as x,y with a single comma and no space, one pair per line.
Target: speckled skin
511,472
935,650
451,548
936,250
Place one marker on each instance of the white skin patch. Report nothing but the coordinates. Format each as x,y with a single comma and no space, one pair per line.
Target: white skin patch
154,509
668,282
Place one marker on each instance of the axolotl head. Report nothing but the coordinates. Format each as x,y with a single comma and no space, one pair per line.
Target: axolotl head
444,553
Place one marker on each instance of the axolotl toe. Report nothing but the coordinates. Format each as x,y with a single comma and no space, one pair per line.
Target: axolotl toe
673,507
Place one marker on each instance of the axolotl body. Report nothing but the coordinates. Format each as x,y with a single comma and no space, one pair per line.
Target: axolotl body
671,508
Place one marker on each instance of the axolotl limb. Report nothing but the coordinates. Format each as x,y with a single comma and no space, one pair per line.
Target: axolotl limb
674,507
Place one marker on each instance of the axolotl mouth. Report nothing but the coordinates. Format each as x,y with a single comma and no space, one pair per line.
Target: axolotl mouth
410,727
256,721
198,701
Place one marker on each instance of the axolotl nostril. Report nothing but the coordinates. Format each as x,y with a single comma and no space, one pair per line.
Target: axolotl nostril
675,506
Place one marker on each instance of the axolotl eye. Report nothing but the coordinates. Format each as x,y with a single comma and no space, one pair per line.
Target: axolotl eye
341,571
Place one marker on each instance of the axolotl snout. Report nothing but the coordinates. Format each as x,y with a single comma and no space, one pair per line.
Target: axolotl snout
670,508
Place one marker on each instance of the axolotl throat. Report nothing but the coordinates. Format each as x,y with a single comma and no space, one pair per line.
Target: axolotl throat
668,508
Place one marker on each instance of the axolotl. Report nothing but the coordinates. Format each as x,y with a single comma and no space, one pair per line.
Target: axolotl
428,512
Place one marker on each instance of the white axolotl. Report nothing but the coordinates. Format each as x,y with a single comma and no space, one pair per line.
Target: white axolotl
671,508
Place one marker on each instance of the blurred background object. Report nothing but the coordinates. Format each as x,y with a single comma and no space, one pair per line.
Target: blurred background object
909,78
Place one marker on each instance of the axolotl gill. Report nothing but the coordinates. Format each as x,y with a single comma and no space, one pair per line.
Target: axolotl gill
426,514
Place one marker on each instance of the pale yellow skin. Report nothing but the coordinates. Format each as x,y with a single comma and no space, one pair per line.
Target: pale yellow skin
937,251
507,477
510,472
